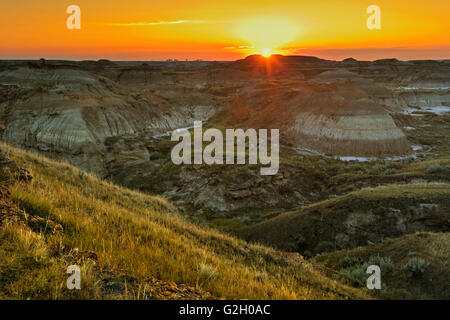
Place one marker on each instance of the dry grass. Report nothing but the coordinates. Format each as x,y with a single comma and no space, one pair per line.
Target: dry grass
139,235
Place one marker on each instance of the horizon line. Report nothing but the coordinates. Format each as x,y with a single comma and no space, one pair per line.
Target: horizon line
214,60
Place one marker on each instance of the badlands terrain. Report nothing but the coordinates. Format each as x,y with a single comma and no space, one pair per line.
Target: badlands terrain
364,178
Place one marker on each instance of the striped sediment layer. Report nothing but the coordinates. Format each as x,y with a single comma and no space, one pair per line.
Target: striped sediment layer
350,135
342,118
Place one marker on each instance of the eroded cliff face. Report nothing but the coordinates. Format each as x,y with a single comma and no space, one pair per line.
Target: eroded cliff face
334,117
71,113
355,123
363,135
421,97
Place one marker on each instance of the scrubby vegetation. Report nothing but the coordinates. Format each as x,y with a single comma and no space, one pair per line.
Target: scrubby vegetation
355,268
416,266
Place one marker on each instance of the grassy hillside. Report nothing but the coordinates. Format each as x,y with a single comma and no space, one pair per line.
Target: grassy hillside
412,266
355,176
124,240
358,218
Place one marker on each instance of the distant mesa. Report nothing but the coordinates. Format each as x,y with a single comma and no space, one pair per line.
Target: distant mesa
284,59
387,61
101,63
349,60
105,63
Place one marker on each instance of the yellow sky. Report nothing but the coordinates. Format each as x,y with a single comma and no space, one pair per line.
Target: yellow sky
223,30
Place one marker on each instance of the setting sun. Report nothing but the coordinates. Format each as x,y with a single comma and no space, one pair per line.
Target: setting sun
266,52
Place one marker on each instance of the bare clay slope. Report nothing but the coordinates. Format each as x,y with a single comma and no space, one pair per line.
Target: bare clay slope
337,116
72,110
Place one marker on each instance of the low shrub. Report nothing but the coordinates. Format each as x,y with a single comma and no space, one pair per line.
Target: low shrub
415,266
436,168
206,272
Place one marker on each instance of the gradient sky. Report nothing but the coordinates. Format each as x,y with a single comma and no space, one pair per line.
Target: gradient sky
223,30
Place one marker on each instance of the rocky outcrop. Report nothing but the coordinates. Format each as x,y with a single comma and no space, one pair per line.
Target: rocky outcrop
226,188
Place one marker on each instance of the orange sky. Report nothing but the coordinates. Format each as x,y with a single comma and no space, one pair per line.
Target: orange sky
223,30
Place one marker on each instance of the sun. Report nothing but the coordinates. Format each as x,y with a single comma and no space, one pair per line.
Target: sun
266,52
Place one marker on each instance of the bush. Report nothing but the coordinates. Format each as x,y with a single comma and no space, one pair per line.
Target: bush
416,266
355,270
81,174
377,169
285,189
206,272
385,263
87,192
350,261
356,275
435,168
405,161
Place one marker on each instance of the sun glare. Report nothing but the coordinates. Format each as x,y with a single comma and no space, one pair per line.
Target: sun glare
266,52
265,32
